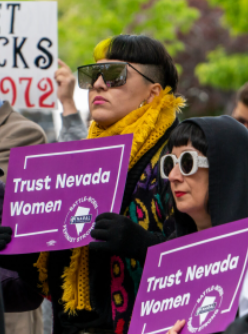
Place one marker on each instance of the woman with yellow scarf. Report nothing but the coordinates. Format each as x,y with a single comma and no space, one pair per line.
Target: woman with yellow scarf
93,288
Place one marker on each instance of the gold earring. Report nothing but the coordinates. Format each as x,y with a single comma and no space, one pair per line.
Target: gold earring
142,103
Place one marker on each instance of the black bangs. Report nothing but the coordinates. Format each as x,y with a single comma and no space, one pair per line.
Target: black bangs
188,132
146,51
136,49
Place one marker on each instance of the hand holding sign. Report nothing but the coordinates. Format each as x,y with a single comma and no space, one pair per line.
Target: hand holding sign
186,278
177,327
117,232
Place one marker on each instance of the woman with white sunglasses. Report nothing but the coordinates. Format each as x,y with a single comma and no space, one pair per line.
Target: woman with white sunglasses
208,172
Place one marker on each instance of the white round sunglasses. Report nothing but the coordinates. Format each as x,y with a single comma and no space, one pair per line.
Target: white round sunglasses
189,161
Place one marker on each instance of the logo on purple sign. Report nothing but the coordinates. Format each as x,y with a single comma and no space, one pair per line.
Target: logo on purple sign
80,219
206,308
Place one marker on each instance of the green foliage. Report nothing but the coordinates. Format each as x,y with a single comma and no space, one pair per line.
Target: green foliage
82,24
235,14
227,71
223,71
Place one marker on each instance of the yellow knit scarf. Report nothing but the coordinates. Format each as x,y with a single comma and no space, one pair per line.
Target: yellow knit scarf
147,124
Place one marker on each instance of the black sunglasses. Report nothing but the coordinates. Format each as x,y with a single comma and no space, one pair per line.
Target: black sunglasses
114,74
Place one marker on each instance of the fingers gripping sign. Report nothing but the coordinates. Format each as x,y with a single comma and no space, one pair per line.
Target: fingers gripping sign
177,327
66,84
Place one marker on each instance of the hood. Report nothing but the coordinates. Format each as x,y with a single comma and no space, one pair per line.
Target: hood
227,154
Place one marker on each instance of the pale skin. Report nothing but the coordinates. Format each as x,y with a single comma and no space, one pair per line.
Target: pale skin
196,190
193,202
120,101
177,327
66,84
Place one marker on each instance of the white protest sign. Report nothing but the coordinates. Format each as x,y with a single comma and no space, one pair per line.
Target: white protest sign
28,54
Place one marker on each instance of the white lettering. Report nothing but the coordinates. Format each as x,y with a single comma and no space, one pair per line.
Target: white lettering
70,181
146,307
96,176
30,188
216,268
150,280
27,209
57,204
39,184
78,180
105,177
171,280
49,207
156,307
87,179
234,262
16,208
199,272
16,184
177,301
190,274
225,264
37,207
60,182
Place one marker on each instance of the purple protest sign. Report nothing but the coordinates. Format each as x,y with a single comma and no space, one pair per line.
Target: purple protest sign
55,191
197,278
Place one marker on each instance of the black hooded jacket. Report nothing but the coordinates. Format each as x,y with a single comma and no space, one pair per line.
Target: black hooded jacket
227,153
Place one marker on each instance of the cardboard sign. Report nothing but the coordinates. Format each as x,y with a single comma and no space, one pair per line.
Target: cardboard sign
197,278
28,54
54,192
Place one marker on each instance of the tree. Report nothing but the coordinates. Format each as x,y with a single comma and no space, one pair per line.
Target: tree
225,68
82,24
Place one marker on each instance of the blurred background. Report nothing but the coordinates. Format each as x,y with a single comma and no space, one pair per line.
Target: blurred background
208,40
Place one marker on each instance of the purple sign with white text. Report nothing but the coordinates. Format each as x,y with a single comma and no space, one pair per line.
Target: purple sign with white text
54,192
197,278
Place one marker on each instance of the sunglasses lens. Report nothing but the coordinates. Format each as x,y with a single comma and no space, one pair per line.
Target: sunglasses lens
85,77
114,74
187,163
168,165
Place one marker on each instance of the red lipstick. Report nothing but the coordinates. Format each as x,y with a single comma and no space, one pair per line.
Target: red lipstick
180,193
99,100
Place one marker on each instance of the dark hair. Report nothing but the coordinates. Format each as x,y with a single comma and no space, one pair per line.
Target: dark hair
147,51
183,134
188,132
242,95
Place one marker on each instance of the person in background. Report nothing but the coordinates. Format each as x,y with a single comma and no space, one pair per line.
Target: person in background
16,130
208,182
73,128
240,112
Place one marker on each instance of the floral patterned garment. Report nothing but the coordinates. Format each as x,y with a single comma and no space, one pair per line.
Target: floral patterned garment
145,209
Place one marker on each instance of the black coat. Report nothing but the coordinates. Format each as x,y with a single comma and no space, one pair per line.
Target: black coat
227,153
